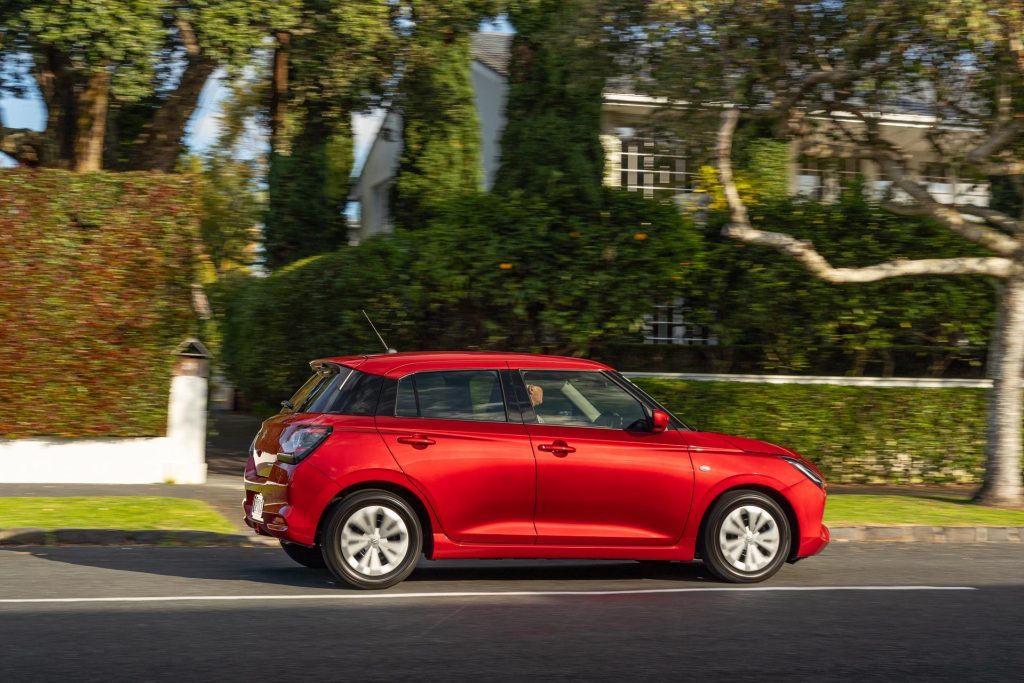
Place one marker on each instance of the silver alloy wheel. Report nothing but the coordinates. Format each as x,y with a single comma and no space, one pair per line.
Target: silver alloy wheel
749,538
374,540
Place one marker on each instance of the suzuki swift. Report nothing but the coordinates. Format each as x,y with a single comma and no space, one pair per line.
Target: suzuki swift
377,460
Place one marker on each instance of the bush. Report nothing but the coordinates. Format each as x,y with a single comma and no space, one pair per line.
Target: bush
854,434
489,273
753,296
96,295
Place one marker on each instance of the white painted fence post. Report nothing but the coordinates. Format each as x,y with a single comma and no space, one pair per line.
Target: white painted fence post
186,414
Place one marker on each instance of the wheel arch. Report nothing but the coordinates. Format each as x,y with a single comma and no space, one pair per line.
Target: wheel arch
405,493
774,494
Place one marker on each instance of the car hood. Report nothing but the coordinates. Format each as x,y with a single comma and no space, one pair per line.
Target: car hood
726,442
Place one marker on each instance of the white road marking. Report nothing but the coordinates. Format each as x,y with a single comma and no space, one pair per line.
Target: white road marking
474,594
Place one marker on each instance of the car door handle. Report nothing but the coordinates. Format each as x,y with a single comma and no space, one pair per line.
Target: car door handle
559,448
417,440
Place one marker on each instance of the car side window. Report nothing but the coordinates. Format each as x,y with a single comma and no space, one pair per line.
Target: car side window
582,399
452,395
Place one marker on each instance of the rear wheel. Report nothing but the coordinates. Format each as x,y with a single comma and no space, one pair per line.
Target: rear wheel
307,557
372,539
746,537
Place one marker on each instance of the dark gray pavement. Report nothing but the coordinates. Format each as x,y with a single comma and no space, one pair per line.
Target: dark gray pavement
276,620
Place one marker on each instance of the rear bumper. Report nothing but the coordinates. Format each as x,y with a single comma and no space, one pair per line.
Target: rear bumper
292,501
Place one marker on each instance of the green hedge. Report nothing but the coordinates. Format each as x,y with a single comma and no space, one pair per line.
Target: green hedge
489,272
854,434
97,270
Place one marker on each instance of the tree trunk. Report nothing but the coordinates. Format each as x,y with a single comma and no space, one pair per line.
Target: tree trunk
279,94
91,122
1002,485
158,146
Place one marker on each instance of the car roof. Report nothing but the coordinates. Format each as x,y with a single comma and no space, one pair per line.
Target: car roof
400,364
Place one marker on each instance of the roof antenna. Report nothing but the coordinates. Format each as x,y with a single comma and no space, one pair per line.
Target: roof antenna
387,349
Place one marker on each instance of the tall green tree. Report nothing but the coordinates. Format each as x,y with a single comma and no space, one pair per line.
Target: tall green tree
563,53
962,63
337,59
121,78
440,129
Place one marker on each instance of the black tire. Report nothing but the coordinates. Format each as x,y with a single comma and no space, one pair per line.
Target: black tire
751,552
307,557
342,519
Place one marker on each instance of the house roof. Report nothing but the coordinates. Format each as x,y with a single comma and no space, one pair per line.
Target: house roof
492,50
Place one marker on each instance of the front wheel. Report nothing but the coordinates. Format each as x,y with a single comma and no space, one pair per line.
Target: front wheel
746,537
373,539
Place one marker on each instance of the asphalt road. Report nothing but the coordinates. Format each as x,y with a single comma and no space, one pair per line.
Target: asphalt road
858,612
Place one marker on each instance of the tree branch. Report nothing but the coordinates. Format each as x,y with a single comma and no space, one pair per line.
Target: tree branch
804,251
885,155
157,147
22,144
998,139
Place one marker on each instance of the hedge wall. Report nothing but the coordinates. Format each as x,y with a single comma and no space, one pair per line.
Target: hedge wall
97,271
854,434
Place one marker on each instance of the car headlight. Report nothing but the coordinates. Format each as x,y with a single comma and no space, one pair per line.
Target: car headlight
807,471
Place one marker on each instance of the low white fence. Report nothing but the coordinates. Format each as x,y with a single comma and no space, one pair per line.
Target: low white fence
894,382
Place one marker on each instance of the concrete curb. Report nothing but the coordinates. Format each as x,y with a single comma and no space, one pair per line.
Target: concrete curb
9,537
928,534
850,534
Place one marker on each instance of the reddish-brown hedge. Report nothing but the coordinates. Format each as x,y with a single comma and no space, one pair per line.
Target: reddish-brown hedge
95,277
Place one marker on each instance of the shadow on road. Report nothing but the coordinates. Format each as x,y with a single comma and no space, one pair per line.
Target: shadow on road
271,567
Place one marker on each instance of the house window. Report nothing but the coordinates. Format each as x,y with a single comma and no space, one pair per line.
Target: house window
654,168
823,178
381,207
667,325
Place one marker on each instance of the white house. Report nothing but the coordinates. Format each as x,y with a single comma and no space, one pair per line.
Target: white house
640,163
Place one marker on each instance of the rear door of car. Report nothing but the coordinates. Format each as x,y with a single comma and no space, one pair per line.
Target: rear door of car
452,433
603,478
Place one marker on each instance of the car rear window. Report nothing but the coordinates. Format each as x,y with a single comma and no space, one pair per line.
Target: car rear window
340,391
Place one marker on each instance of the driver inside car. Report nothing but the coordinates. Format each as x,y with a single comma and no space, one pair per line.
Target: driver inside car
536,398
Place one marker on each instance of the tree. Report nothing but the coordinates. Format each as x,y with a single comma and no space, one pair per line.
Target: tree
311,102
827,71
440,131
563,53
120,79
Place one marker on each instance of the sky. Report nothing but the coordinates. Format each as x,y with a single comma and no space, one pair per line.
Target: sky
202,129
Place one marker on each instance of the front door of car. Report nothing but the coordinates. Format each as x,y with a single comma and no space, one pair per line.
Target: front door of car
451,434
603,478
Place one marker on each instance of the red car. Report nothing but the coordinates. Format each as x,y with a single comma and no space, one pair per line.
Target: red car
377,460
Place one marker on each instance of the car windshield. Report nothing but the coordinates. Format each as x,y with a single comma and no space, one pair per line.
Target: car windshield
678,423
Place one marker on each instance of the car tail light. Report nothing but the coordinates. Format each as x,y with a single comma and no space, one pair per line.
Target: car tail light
299,441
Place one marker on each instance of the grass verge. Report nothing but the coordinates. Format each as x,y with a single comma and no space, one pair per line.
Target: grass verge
112,512
860,509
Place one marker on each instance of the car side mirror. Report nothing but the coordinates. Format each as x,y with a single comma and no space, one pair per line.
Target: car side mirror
659,421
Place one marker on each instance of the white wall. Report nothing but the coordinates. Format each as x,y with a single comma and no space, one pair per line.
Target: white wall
490,93
179,457
373,186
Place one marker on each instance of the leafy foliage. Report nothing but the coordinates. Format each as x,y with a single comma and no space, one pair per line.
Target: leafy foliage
745,296
489,272
125,74
98,274
854,434
440,131
562,54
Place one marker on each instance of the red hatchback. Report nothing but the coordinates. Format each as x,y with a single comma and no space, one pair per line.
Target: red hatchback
379,459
